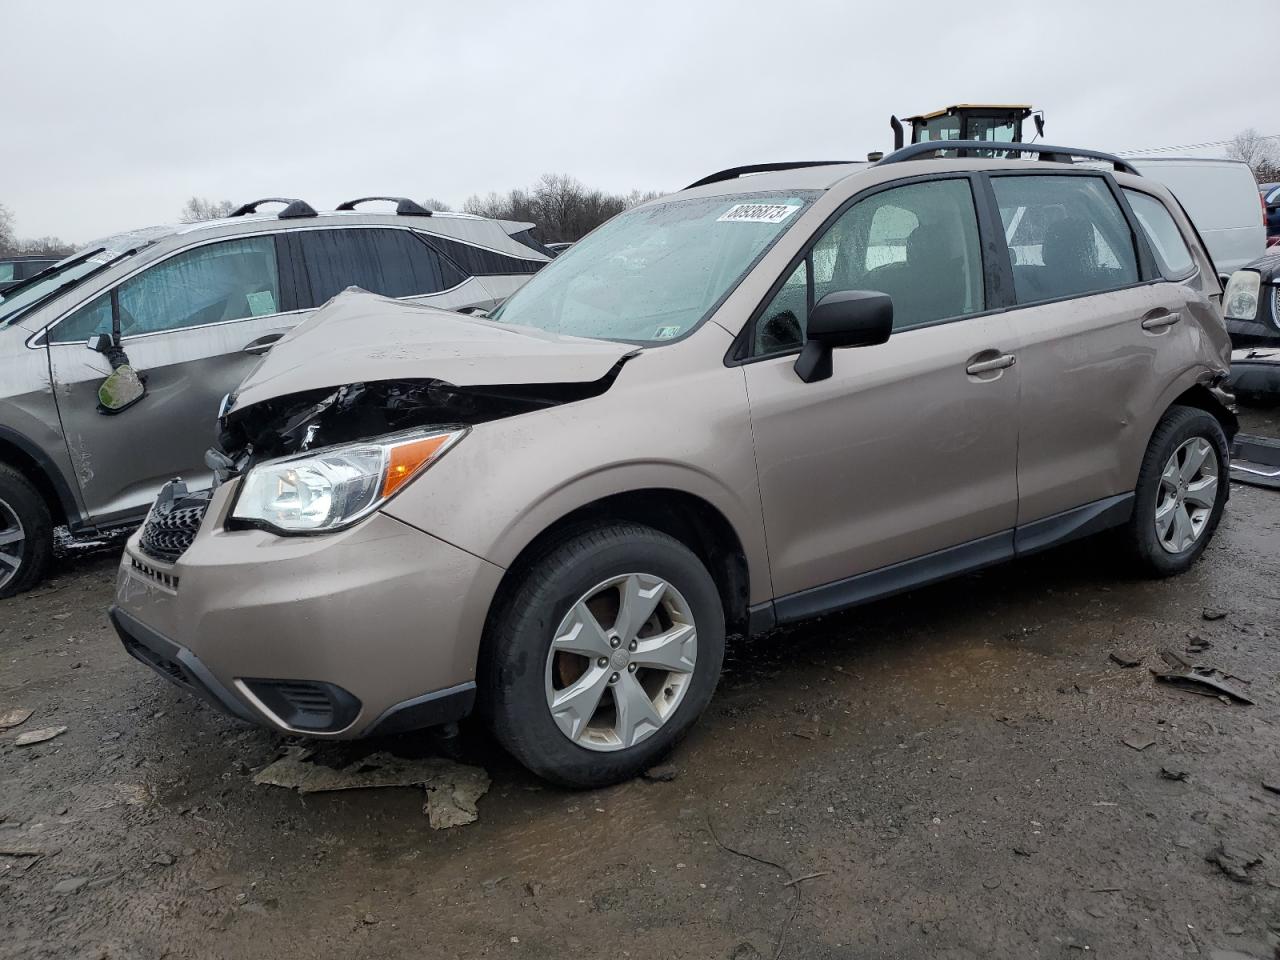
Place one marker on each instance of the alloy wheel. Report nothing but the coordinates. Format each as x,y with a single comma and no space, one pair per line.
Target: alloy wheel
1186,495
621,661
12,543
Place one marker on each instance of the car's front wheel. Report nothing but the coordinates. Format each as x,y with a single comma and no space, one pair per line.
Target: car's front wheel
602,654
26,533
1182,491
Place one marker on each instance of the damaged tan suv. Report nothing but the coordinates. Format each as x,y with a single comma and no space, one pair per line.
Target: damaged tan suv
785,390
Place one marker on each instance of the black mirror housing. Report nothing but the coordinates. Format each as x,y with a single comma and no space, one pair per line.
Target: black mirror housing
100,343
843,318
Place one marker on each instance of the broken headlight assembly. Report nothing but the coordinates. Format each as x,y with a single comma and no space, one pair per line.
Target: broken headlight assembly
332,488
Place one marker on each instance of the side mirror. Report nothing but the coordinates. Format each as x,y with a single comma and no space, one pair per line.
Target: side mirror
121,390
844,318
100,343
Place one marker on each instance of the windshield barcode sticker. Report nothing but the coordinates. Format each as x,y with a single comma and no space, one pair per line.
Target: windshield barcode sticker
758,212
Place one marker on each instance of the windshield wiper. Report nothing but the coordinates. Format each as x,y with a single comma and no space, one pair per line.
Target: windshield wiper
52,268
67,284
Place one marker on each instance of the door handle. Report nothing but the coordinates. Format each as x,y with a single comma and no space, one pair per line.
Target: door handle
262,344
1158,321
989,366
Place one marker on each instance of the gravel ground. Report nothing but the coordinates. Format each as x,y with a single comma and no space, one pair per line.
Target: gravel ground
954,773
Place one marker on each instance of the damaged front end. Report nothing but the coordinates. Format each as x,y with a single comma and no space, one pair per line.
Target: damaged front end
321,460
329,425
327,417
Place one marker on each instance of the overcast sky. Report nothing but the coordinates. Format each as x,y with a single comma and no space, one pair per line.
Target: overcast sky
118,112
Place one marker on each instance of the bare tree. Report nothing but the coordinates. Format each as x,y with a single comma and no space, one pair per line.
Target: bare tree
1259,152
433,203
12,246
198,208
559,205
7,239
46,247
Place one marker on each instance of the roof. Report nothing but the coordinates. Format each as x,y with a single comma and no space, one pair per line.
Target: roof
800,178
969,106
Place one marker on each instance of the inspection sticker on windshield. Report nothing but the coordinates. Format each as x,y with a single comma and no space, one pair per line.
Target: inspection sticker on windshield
759,212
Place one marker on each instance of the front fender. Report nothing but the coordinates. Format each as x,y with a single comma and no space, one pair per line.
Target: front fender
512,479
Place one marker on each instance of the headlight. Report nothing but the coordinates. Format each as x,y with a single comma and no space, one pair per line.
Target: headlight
1241,297
332,488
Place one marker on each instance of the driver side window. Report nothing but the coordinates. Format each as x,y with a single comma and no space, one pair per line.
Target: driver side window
214,283
918,243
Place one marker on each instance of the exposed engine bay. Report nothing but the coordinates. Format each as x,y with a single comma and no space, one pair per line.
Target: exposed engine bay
357,411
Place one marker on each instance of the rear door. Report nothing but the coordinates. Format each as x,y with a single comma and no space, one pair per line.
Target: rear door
194,324
1097,340
393,262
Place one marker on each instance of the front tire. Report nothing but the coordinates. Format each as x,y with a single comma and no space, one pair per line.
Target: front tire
1181,493
26,534
602,654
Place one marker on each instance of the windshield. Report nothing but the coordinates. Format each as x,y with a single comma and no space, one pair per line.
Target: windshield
654,273
67,273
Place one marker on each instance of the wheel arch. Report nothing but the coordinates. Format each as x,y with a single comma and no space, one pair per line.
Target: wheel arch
686,517
20,454
1205,397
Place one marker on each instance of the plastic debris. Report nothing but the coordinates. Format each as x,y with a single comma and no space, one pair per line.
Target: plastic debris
38,736
452,789
15,717
1120,660
1137,743
1201,680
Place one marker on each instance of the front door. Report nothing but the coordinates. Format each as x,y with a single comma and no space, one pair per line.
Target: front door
193,325
910,447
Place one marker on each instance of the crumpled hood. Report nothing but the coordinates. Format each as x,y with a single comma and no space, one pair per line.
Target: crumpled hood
359,337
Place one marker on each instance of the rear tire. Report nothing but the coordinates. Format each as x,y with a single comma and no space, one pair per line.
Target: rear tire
26,533
1177,509
576,593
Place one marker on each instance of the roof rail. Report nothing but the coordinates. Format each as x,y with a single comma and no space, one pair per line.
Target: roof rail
292,208
1047,152
404,206
734,172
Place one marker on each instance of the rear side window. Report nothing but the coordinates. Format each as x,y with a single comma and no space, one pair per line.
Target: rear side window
214,283
1157,223
480,262
393,263
1067,236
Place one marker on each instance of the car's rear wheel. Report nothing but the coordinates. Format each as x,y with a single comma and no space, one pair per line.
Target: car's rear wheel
602,655
1182,491
26,533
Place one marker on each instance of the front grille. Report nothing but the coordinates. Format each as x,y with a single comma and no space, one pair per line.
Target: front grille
151,573
172,525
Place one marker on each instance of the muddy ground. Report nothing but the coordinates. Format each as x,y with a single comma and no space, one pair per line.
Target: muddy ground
945,774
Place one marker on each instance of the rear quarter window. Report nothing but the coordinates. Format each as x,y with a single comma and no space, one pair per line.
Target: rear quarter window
1170,249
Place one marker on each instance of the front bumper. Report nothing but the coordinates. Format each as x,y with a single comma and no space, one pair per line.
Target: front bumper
1255,371
379,624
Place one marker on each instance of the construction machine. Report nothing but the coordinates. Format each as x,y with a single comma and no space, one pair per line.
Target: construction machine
997,122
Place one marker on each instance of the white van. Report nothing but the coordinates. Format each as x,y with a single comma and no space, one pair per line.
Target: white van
1221,197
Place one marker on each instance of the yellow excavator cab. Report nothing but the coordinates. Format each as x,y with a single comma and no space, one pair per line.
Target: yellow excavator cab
998,122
